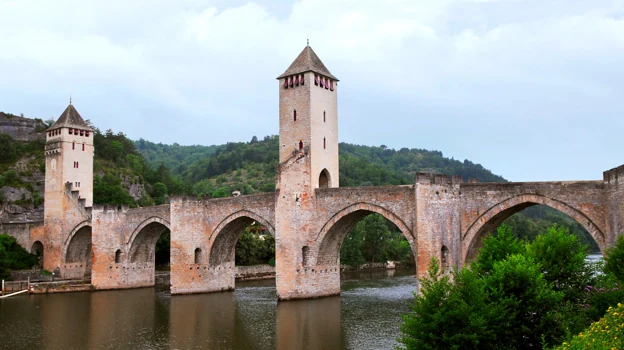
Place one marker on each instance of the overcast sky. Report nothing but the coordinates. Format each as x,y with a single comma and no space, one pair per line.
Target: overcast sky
532,90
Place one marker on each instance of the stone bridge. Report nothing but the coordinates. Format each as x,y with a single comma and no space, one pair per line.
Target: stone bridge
309,213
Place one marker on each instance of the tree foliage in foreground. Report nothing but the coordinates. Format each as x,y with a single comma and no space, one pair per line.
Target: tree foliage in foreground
516,294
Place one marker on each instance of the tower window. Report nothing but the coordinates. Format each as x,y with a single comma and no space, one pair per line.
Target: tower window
294,115
83,146
86,133
326,83
285,83
324,143
297,80
70,131
81,132
316,79
291,82
73,145
198,256
331,85
300,144
301,81
323,116
77,165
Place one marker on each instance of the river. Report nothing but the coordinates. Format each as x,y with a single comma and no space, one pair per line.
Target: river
366,316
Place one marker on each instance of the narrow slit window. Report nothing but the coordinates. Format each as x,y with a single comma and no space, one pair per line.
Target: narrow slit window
83,146
324,117
324,143
300,144
295,115
73,145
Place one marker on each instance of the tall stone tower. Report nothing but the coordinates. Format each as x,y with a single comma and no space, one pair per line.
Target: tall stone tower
308,112
68,182
308,141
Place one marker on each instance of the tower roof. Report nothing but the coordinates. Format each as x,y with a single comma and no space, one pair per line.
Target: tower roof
307,61
71,119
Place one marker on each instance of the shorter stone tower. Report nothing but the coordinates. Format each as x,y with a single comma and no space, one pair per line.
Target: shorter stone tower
68,183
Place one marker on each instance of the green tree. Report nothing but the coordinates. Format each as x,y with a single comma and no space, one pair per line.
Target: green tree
562,259
614,260
497,247
447,315
13,256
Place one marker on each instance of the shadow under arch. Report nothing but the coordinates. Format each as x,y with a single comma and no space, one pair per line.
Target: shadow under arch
144,223
77,251
495,215
330,238
324,179
227,233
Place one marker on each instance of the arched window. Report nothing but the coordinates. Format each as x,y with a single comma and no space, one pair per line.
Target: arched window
324,180
73,145
118,256
295,115
300,144
323,116
198,256
324,143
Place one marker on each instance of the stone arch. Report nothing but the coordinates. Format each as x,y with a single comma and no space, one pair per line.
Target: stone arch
324,179
498,213
335,230
226,234
144,238
78,244
146,222
37,249
77,258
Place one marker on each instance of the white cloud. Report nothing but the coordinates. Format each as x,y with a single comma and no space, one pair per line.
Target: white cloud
200,70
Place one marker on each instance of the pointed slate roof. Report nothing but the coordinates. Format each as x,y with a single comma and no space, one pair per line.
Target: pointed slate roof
307,61
70,119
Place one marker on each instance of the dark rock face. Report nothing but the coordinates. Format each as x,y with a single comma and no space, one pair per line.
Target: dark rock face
20,128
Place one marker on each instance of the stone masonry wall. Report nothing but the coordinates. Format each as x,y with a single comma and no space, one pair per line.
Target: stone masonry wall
212,226
117,229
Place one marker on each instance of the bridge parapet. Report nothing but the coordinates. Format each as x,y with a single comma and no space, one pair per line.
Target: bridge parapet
437,179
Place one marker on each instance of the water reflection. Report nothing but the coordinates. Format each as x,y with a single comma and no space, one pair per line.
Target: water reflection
366,316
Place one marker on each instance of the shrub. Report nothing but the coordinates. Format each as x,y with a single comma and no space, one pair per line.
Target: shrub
608,333
497,247
614,260
13,256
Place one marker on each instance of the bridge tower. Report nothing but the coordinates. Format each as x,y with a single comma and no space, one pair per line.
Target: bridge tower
308,141
68,187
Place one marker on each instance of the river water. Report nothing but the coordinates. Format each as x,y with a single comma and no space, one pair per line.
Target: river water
366,316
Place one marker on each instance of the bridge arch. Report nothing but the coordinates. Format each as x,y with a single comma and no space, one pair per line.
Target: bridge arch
495,215
77,251
227,233
142,241
335,230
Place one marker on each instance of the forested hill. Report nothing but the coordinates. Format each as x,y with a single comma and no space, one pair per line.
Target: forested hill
250,166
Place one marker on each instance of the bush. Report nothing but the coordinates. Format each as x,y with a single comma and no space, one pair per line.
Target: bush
562,258
13,256
497,247
608,333
614,260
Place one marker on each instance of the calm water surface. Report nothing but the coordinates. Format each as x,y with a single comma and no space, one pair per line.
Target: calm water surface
366,316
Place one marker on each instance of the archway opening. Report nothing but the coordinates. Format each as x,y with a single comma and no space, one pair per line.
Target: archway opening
37,249
78,257
150,249
324,179
247,246
365,239
527,220
118,256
